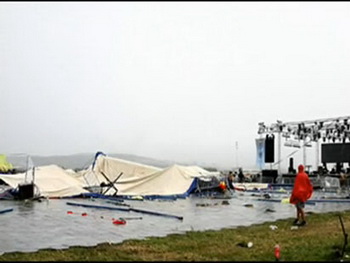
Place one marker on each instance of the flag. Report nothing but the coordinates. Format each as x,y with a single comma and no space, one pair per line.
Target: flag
260,152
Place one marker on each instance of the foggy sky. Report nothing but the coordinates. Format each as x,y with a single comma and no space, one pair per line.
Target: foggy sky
180,81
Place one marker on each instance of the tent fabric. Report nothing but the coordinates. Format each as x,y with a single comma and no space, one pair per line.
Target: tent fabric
130,178
5,166
51,180
252,186
79,175
113,167
139,179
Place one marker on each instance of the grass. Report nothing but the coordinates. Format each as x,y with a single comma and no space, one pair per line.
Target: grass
321,239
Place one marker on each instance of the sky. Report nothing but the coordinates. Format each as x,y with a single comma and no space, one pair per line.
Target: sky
181,81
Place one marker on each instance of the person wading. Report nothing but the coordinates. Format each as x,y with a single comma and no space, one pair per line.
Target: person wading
302,191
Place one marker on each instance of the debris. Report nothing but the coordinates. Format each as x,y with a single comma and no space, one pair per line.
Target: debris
118,221
273,227
225,202
71,213
207,204
137,197
267,196
277,252
294,228
117,203
270,210
248,205
245,244
129,218
6,210
126,210
285,201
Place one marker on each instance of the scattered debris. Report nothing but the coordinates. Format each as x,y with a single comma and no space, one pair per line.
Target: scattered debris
207,204
119,221
277,252
270,210
6,210
117,203
285,201
125,210
245,244
130,218
255,194
273,227
267,196
248,205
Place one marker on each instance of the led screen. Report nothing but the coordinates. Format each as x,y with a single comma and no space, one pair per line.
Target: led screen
335,152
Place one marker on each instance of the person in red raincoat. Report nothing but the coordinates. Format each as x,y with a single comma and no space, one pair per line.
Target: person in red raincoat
302,191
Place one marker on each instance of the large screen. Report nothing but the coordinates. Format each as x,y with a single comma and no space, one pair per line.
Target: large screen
335,152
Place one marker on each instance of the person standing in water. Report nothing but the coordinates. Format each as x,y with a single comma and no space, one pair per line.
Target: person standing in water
240,176
301,192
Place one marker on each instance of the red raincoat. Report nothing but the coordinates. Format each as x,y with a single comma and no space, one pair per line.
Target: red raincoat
302,189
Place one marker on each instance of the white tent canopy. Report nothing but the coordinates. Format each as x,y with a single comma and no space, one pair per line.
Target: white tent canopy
129,178
139,179
51,180
113,167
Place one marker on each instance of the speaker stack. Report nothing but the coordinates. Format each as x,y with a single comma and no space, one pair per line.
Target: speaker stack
270,148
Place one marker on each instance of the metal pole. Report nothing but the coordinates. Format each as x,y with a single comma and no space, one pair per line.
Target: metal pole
27,167
237,165
279,152
304,152
317,154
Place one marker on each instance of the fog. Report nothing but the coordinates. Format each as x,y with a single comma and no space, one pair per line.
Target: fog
182,81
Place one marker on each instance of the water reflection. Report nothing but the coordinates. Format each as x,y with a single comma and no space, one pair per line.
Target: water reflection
47,224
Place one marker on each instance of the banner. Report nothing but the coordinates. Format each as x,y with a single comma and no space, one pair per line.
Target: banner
260,152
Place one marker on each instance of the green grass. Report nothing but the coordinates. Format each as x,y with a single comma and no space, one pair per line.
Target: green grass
320,240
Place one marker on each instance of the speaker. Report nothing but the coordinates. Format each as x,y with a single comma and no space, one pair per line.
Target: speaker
291,168
270,175
25,191
270,148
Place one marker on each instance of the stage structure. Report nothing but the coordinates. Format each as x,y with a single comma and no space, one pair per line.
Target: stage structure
300,134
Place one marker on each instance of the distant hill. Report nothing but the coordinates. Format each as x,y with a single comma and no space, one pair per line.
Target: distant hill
84,160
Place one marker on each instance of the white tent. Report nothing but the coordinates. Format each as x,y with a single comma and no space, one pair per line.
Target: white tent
112,169
139,179
51,180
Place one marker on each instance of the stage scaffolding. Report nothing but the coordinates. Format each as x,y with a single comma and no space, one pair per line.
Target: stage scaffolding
300,134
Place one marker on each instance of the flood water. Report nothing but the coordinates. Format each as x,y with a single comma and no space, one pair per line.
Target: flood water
37,225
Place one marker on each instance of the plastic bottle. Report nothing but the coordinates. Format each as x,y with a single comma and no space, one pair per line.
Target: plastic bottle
119,222
277,252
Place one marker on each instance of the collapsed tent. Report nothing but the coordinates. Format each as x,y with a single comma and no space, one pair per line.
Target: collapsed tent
51,181
129,178
112,168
